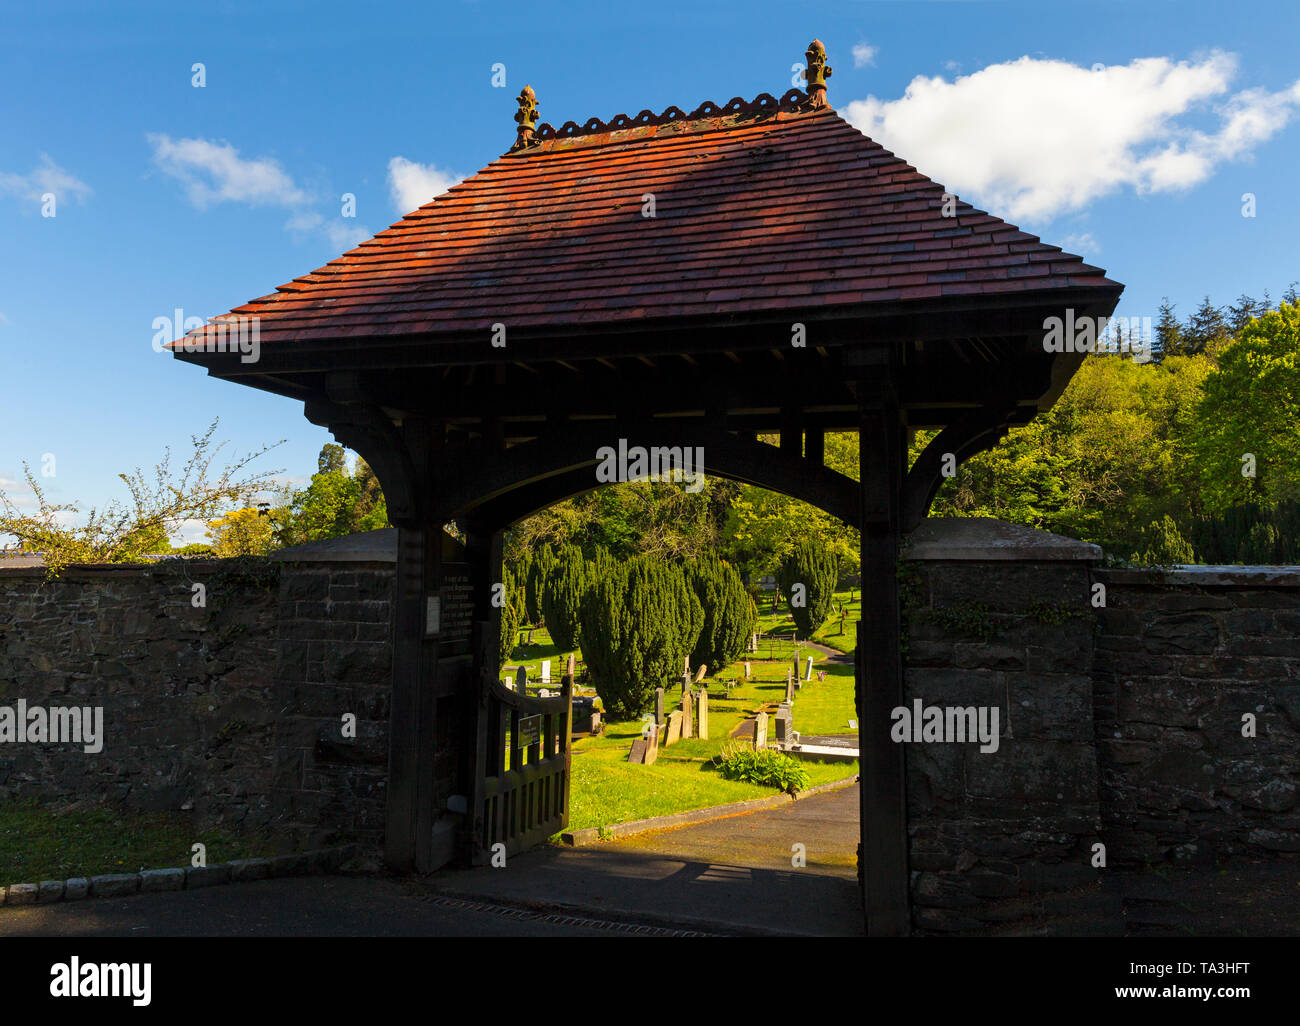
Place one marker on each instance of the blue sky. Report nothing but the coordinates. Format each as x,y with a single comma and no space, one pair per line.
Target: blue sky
1127,132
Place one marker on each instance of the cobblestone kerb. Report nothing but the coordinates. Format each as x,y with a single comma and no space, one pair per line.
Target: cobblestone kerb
118,885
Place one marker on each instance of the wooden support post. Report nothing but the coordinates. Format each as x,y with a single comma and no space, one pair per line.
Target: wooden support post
410,666
791,437
814,449
880,685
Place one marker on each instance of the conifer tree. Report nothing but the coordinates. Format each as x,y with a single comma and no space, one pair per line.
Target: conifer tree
808,578
640,619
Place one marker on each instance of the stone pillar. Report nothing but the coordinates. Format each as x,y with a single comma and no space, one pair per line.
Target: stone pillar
1011,824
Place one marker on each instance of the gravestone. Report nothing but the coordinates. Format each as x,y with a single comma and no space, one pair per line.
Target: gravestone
688,700
789,688
637,751
674,728
659,706
699,674
546,671
783,723
702,717
748,671
521,680
760,730
652,744
686,682
809,674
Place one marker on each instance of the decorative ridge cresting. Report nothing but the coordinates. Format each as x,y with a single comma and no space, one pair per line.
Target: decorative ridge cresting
794,101
764,103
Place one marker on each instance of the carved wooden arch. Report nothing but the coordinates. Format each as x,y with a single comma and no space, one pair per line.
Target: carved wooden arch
978,430
491,494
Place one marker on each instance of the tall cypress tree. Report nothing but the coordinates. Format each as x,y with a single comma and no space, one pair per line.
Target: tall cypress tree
640,619
535,584
562,595
728,610
510,615
808,578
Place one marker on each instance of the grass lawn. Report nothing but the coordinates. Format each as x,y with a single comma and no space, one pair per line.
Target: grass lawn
82,839
606,789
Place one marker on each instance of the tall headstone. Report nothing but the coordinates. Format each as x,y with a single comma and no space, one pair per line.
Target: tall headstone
652,744
521,680
789,688
702,717
783,723
760,730
674,733
659,706
546,671
699,674
748,671
688,700
808,676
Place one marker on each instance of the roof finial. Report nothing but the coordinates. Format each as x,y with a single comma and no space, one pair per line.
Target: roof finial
525,118
817,74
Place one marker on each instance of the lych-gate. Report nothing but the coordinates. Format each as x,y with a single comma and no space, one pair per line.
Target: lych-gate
675,279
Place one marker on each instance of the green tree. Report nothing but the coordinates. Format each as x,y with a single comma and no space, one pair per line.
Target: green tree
1169,333
808,577
1250,413
337,502
727,608
510,615
241,532
638,622
562,597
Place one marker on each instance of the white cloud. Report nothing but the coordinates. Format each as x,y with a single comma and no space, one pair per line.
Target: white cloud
213,172
1033,139
343,233
45,177
864,54
1080,243
413,185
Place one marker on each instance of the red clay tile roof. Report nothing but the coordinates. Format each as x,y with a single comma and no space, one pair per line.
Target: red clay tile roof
758,207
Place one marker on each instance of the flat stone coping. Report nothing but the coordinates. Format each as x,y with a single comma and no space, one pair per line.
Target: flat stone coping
593,835
983,539
1207,576
367,547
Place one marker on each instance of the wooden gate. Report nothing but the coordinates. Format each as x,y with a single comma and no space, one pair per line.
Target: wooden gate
521,785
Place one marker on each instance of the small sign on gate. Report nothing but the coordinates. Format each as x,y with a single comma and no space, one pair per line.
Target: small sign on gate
530,731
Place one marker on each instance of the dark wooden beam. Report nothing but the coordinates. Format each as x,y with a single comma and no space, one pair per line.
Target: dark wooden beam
884,856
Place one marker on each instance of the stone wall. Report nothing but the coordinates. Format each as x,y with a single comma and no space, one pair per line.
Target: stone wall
335,660
1180,659
997,617
187,691
1122,722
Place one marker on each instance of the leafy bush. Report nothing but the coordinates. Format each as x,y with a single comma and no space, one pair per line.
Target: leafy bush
739,760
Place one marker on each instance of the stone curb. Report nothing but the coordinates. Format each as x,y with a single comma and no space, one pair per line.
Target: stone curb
591,835
153,881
